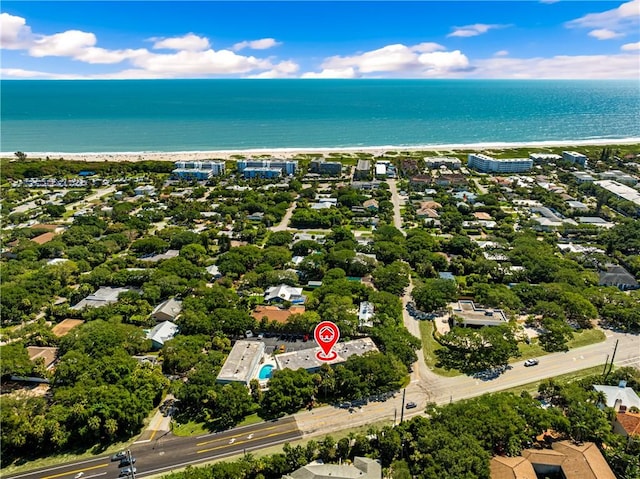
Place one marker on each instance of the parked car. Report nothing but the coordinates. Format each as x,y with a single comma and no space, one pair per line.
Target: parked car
118,456
127,471
344,405
411,405
125,462
531,362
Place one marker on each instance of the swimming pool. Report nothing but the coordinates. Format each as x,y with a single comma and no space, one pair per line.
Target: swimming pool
265,371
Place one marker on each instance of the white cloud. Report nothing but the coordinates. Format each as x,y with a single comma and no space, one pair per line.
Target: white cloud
100,55
285,69
604,34
399,60
443,62
620,20
621,66
189,42
192,55
262,44
474,30
348,72
501,53
208,62
21,73
14,32
427,47
630,47
65,44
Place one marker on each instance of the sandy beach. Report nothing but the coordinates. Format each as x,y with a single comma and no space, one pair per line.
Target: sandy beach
288,153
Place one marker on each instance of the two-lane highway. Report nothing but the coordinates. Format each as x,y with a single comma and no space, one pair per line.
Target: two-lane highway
166,453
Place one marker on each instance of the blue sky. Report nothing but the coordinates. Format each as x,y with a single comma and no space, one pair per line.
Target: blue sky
265,39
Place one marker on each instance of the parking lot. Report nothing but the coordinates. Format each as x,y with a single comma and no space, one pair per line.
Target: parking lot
291,342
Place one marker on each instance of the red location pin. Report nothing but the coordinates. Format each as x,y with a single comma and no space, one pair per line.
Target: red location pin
326,335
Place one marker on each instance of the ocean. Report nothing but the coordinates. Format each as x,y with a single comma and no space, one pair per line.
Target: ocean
203,115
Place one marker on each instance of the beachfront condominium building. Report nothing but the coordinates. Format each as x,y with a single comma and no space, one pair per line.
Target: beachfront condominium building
286,167
322,167
432,162
574,157
198,170
488,164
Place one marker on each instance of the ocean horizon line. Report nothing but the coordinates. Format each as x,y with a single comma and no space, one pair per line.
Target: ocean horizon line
346,149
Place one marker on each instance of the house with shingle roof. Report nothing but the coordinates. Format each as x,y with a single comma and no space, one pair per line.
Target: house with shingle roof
616,275
362,468
627,424
161,333
284,292
168,310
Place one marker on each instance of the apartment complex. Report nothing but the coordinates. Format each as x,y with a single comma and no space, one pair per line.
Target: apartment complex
198,170
267,168
575,157
488,164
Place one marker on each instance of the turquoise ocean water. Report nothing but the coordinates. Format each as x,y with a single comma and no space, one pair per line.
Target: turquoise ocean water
197,115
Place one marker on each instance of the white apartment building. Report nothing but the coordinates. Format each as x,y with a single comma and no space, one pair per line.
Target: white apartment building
488,164
575,157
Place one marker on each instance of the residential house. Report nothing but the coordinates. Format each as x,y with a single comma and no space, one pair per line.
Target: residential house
168,310
284,292
566,459
161,333
213,271
46,354
627,424
362,468
144,190
103,296
43,238
154,258
616,275
619,397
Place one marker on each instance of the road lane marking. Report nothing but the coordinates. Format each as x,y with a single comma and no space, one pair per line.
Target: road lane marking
96,475
153,434
237,443
235,435
75,471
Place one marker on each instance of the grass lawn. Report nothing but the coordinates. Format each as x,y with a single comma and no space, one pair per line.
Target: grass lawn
532,388
190,428
251,419
586,337
429,348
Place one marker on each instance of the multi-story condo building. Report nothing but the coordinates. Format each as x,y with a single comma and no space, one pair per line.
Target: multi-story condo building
198,170
488,164
325,167
286,167
574,157
438,161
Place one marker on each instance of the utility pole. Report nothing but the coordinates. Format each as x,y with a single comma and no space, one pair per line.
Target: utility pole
604,372
613,357
404,393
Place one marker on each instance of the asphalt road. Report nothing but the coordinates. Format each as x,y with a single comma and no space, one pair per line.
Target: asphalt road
166,453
